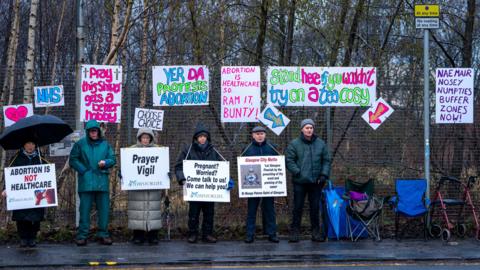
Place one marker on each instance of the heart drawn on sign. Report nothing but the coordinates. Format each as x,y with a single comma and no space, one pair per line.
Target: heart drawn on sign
16,114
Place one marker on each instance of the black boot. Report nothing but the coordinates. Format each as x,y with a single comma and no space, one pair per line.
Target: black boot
138,237
152,237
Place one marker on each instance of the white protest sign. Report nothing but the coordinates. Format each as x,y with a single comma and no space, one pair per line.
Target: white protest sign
206,181
31,186
101,93
454,96
240,94
145,168
13,113
321,86
146,118
180,85
378,113
273,119
49,96
262,176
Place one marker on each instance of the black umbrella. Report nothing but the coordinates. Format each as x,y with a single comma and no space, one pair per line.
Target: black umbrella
40,129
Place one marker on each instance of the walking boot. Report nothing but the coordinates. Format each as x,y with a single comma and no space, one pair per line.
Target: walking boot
209,239
152,237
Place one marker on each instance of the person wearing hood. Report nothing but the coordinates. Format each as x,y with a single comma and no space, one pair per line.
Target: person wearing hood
201,148
92,157
28,220
144,206
308,160
261,147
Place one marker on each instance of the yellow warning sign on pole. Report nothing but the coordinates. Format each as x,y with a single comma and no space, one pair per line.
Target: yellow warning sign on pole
427,10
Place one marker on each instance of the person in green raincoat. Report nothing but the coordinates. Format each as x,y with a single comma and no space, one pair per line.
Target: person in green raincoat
92,157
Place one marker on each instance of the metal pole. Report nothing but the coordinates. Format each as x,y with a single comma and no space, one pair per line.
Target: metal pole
78,88
329,128
426,108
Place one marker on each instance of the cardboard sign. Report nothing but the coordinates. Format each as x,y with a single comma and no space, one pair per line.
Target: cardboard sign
240,94
101,93
146,118
206,181
31,186
13,113
49,96
262,176
378,113
145,168
321,86
454,96
274,119
180,85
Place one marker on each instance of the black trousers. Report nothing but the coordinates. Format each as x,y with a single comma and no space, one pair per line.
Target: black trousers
208,209
28,229
314,193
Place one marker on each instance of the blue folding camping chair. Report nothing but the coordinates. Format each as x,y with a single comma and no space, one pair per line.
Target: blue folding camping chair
410,202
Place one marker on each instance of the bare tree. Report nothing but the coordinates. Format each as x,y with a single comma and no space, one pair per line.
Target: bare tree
29,65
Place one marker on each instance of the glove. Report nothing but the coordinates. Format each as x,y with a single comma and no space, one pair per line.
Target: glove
181,182
231,184
322,179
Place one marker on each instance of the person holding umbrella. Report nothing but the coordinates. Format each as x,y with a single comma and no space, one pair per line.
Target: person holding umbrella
91,157
28,134
28,220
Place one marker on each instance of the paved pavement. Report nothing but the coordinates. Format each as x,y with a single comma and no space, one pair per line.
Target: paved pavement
236,252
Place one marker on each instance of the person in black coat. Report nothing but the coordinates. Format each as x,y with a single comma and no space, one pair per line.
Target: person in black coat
201,148
261,147
28,220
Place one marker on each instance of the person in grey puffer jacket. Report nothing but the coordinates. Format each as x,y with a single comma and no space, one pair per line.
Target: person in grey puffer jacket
144,206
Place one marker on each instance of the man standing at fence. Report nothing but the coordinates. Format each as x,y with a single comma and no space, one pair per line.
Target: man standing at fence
308,159
91,157
260,147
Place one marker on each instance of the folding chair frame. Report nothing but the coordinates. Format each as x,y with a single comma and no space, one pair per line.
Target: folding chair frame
370,224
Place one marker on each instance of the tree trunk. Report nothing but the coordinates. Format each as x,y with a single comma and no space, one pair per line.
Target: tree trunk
197,47
338,33
32,25
9,81
291,29
282,6
462,132
143,53
262,26
118,40
55,49
353,33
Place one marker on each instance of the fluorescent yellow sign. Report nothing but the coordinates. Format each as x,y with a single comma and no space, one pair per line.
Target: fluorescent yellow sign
427,10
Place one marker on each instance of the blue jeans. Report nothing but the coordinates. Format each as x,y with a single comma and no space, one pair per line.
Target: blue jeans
268,214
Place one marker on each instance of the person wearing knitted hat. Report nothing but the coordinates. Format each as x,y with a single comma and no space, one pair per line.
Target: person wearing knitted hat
308,160
259,146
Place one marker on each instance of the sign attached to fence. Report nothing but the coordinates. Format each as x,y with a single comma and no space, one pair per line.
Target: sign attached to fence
274,119
180,85
378,113
262,176
101,93
146,118
145,168
49,96
206,181
321,86
31,186
240,94
454,96
64,147
13,113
